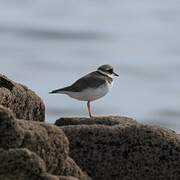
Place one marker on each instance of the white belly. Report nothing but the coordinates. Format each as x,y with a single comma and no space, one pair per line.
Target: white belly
91,94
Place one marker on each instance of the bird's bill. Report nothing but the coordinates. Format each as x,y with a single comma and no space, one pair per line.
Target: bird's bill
115,74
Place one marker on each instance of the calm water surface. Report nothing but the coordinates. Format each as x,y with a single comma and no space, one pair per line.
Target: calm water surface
49,44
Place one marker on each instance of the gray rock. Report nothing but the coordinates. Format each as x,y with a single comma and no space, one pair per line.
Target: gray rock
114,148
22,101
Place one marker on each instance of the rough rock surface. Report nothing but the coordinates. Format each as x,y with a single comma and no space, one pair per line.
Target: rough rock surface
67,178
22,164
47,141
113,148
22,101
73,169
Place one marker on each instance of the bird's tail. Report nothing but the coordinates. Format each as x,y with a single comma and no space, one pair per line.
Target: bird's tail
55,91
60,91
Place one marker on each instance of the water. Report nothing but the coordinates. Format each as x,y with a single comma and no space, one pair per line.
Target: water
49,44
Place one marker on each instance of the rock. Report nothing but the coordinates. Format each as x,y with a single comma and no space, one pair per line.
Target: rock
22,101
109,121
47,141
72,168
22,164
67,178
113,148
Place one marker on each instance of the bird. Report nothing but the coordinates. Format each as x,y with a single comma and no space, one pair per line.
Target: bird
91,86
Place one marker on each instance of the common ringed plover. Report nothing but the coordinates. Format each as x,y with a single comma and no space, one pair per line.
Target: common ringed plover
91,86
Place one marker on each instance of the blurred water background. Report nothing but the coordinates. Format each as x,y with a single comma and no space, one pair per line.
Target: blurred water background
49,44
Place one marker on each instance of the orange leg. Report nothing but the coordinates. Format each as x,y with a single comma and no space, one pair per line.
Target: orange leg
89,109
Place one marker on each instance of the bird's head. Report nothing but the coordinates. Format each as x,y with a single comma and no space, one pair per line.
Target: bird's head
107,70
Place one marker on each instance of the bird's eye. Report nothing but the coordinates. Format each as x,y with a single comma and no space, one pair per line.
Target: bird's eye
110,71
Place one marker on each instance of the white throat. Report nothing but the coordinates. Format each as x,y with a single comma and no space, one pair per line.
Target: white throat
106,74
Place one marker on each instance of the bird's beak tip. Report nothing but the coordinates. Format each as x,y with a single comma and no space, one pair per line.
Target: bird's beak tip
116,74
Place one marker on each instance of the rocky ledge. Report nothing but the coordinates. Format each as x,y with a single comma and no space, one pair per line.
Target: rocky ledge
113,148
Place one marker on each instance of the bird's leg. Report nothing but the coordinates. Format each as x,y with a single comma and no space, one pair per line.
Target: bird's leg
89,108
